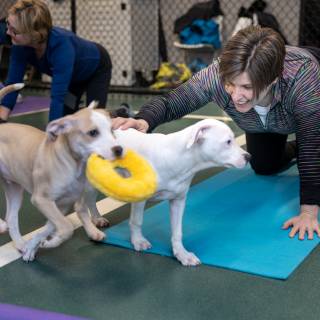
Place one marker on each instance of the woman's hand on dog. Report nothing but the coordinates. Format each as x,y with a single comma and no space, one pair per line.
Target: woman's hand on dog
126,123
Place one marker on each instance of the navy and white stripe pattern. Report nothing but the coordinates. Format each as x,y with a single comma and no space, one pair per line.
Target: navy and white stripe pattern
295,109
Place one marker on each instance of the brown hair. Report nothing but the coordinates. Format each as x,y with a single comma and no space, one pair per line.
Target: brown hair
33,18
258,51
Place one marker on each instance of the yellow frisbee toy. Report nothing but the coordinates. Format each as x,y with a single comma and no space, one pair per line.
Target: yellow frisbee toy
105,176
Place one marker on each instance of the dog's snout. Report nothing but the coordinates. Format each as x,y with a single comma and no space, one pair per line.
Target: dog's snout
117,151
247,157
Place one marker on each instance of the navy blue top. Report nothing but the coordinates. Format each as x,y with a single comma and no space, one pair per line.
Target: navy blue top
68,59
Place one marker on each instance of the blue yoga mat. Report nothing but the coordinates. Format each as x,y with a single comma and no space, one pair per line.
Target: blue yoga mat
232,220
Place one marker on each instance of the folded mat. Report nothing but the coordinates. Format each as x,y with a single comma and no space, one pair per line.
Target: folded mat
232,220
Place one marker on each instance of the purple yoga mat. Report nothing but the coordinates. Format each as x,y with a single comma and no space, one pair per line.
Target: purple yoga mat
31,104
12,312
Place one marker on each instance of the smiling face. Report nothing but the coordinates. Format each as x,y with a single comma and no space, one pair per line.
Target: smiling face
250,62
240,89
241,92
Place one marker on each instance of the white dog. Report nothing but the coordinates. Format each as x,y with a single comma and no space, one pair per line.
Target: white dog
51,167
176,158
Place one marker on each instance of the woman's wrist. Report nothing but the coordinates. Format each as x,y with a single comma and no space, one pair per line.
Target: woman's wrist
143,124
309,209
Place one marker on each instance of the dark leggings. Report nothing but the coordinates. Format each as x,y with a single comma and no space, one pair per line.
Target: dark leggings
96,87
270,152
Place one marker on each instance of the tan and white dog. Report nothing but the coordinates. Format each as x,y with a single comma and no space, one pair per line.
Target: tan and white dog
51,167
176,158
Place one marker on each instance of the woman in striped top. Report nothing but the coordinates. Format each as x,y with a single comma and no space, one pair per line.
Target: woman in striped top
270,90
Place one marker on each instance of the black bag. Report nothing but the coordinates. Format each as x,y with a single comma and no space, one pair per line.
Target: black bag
264,19
203,10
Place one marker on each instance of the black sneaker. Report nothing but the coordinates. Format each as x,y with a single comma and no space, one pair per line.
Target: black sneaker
3,121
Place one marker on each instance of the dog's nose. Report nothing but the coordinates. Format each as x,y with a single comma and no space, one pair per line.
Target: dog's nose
117,151
247,157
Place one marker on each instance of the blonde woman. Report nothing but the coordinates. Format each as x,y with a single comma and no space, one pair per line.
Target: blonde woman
76,65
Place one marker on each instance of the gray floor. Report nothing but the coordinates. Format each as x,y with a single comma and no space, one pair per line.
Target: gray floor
105,282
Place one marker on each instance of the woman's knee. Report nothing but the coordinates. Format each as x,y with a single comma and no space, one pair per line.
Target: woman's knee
264,170
267,168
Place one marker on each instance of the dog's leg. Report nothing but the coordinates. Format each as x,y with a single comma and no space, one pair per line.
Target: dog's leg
3,226
83,213
31,247
64,228
176,214
3,223
97,219
14,196
138,241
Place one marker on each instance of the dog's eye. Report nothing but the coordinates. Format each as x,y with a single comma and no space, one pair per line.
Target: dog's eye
93,133
229,142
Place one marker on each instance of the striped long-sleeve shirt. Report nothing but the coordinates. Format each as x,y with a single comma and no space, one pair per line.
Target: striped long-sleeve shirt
295,108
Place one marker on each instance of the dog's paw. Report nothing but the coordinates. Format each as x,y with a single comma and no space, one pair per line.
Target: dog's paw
101,222
29,249
3,226
187,258
53,242
140,244
97,235
57,238
28,255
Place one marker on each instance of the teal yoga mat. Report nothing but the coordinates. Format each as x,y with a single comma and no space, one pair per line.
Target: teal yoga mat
232,220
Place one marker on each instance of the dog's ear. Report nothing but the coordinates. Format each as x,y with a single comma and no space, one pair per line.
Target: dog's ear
93,104
59,126
197,135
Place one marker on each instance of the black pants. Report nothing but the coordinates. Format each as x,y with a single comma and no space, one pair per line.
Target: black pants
270,151
96,87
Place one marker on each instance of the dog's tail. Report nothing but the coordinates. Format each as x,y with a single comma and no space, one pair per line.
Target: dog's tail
11,87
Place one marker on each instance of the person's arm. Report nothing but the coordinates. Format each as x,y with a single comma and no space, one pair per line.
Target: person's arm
62,58
306,109
201,89
188,97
